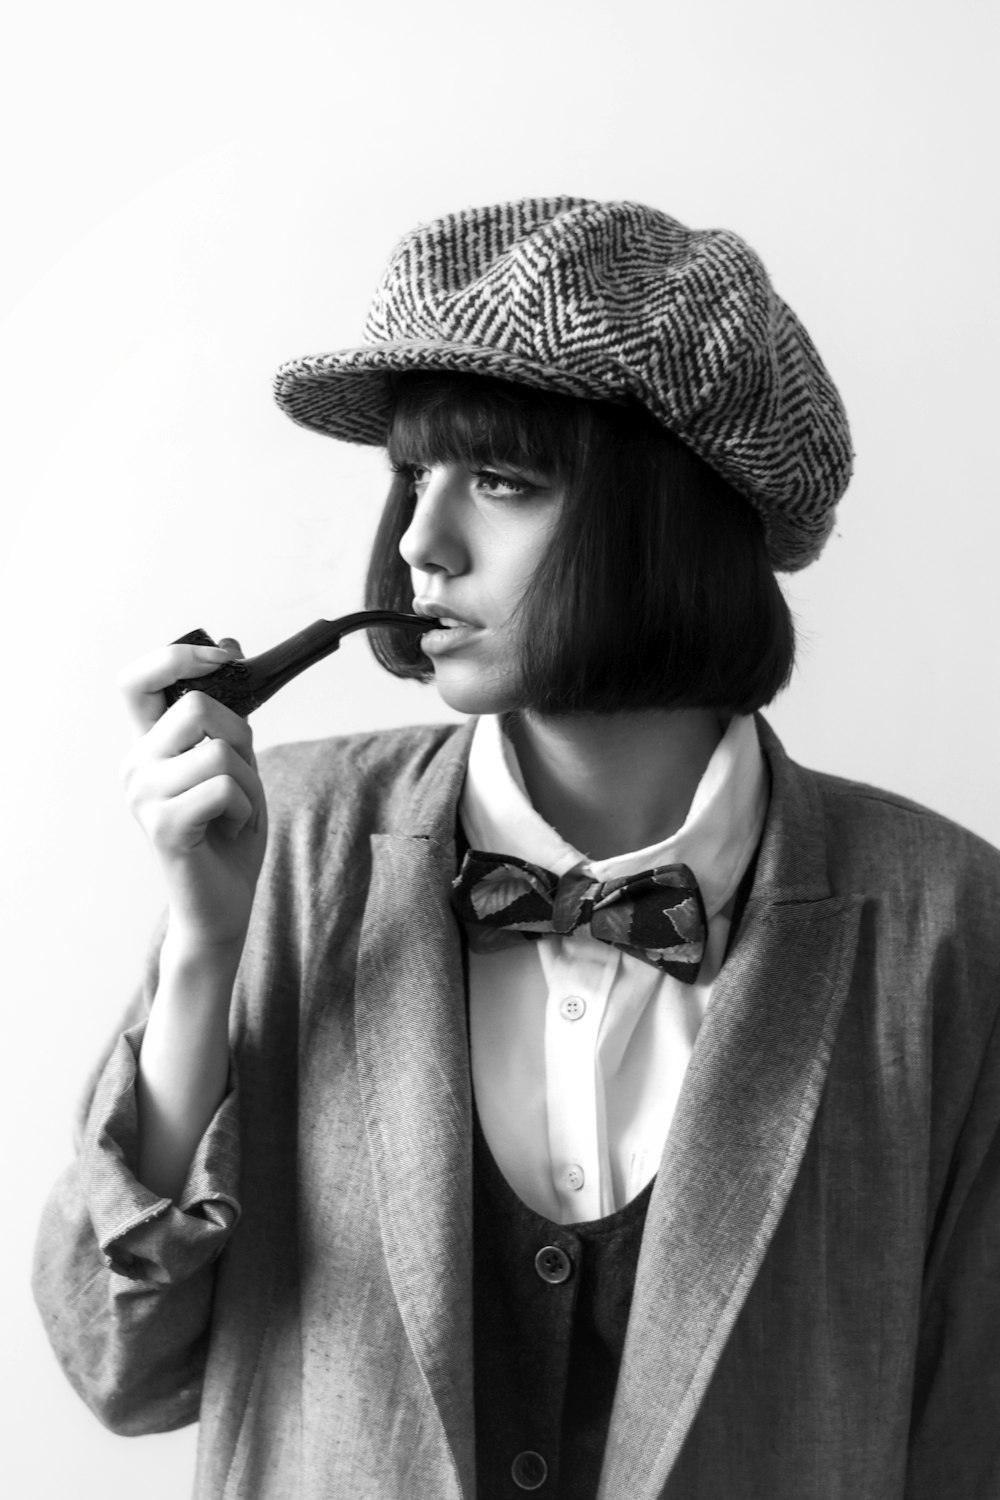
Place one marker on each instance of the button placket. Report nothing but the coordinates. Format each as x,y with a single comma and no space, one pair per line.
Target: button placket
578,979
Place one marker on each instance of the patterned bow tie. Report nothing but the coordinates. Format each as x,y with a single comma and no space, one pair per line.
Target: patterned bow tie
657,916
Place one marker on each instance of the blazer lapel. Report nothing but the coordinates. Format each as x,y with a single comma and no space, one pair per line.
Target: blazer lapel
412,1050
745,1113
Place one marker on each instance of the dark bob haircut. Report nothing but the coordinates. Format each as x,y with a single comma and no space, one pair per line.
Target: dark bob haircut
655,592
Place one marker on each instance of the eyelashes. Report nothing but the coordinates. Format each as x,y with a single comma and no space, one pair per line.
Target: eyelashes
488,481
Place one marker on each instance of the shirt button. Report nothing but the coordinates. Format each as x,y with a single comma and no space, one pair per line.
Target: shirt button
529,1470
572,1008
574,1177
553,1265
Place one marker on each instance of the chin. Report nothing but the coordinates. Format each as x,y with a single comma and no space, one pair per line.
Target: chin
473,695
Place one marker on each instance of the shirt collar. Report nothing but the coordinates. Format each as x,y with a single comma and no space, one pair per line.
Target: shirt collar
716,840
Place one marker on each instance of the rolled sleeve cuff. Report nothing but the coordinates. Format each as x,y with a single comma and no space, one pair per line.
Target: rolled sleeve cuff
142,1236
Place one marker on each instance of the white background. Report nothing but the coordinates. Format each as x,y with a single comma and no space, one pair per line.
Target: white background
193,193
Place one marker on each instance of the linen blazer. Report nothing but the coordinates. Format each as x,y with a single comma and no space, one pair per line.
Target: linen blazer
816,1313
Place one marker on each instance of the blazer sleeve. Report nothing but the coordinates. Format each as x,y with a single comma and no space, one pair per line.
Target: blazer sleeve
123,1278
955,1433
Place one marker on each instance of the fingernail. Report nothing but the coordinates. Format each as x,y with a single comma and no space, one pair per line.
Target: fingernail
212,653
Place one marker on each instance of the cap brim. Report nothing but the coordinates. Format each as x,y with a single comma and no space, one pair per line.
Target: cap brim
349,394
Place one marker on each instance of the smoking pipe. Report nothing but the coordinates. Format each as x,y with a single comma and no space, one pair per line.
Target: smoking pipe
245,685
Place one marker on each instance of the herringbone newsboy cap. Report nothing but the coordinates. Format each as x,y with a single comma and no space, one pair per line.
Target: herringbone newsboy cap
614,302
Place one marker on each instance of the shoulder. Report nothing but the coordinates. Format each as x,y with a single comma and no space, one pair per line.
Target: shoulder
931,878
925,893
323,761
384,779
894,831
860,839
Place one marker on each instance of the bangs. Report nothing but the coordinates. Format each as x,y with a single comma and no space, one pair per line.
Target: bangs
447,419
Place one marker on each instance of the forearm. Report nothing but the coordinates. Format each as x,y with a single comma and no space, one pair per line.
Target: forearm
184,1060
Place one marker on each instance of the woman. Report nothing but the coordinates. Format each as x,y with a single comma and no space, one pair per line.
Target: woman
586,1100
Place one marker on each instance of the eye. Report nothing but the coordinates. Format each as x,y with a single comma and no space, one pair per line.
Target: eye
502,486
416,475
487,482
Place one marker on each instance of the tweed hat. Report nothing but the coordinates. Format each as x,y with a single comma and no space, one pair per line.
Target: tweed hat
614,302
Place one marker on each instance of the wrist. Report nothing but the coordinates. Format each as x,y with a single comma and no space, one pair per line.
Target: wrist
195,963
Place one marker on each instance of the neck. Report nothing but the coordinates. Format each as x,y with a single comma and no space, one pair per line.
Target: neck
609,783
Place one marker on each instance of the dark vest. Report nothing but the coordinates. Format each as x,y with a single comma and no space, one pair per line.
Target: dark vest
551,1304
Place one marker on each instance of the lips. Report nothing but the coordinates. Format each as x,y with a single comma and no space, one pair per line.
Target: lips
437,612
450,633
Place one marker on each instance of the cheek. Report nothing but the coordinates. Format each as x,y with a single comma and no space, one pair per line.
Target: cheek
529,552
533,557
515,579
511,553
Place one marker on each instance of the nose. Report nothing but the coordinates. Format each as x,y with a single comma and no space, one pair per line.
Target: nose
433,541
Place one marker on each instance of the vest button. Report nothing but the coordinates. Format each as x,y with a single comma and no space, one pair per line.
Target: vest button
553,1265
529,1470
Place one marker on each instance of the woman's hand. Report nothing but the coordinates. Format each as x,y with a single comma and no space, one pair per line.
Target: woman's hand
191,782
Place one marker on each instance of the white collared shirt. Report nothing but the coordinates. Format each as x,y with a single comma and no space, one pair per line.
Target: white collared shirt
578,1049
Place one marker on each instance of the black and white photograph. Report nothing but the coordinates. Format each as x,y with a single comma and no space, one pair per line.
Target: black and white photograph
501,834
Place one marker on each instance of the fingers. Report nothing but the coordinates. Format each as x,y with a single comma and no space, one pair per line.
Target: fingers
175,797
143,681
178,824
194,764
191,782
193,718
196,738
149,772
